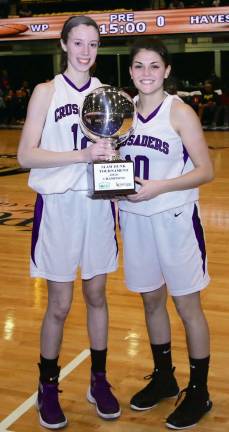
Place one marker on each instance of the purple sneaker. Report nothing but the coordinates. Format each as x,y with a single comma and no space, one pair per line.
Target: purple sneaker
50,412
99,393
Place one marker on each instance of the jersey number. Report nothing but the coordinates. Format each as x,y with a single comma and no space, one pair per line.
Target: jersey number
84,140
141,166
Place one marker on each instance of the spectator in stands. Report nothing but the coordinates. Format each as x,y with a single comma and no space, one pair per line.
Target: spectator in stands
171,85
208,104
221,117
201,3
24,11
216,3
215,80
176,4
2,107
4,79
194,101
23,95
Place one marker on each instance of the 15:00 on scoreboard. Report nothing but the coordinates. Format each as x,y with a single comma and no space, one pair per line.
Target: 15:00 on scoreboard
122,28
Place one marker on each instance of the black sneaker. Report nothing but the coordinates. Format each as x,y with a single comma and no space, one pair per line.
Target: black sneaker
193,407
163,385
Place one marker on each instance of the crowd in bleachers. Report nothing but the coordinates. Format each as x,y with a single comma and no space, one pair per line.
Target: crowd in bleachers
13,101
210,100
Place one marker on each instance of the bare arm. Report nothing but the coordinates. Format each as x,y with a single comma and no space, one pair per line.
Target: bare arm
30,155
187,125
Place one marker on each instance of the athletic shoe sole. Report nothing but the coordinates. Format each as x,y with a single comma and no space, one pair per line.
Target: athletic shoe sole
136,408
92,400
171,426
47,425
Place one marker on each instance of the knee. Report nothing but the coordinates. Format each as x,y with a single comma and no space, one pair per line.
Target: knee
154,304
188,313
184,313
60,310
95,299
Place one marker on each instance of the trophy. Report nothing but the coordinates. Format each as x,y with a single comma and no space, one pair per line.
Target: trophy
110,113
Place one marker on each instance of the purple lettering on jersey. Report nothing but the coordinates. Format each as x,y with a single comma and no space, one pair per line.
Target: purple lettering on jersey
57,115
129,141
150,142
137,141
62,112
165,147
158,144
147,141
75,109
65,111
68,109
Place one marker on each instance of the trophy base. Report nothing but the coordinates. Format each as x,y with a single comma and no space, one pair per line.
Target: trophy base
111,195
110,179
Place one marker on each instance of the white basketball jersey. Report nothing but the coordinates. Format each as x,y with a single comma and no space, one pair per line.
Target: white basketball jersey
62,133
158,153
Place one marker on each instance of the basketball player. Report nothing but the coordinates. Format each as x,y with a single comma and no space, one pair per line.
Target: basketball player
70,229
162,234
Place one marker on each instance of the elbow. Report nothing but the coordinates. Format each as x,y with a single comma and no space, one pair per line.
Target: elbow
210,175
22,160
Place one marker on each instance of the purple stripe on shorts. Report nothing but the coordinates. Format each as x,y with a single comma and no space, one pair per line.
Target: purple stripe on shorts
38,209
119,225
199,235
114,217
85,87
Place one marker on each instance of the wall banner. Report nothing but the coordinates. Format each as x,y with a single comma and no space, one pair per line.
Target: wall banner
149,22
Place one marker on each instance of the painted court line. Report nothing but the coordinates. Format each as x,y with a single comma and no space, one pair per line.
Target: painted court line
25,406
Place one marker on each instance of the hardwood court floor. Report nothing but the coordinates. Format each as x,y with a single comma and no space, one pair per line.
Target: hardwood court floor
23,300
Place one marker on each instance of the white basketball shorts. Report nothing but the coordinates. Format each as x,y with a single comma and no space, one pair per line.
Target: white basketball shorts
165,248
71,230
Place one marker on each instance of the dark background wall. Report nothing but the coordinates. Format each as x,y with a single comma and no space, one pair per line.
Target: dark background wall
194,67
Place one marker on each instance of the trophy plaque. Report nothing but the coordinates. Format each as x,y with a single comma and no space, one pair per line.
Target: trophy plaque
109,113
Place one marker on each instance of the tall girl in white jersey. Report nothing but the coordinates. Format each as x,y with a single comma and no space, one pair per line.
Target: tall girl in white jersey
163,239
70,229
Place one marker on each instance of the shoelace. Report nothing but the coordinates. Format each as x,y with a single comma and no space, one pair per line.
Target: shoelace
104,385
152,375
155,374
53,391
148,377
